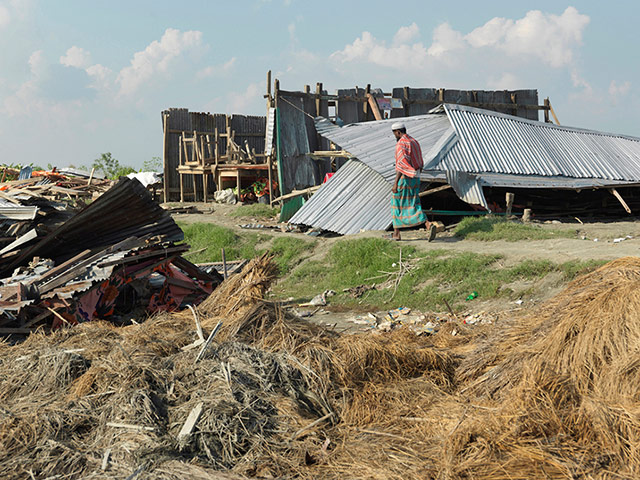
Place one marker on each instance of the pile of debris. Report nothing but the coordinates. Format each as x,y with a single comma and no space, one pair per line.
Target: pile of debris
553,394
112,259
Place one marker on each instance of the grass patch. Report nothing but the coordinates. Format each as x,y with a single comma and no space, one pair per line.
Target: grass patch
255,210
438,276
497,228
289,251
214,238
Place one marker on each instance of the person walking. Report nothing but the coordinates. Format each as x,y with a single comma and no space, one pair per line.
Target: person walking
405,201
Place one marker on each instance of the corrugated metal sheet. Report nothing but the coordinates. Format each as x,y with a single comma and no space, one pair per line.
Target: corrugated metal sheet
271,126
498,143
374,144
468,188
355,198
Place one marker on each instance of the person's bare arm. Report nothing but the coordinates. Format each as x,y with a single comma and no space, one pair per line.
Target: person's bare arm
395,184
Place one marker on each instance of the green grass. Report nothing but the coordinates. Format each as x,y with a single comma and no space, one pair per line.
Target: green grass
214,238
438,276
289,251
255,210
496,228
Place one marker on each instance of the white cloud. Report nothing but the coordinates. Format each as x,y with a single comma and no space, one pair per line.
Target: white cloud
547,38
507,81
371,50
76,57
551,38
157,58
239,102
216,70
445,39
5,16
620,90
37,63
100,75
406,34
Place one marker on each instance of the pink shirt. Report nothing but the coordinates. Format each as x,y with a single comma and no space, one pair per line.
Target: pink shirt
408,156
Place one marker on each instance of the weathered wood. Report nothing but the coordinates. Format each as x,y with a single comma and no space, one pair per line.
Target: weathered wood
224,265
434,190
297,193
208,342
554,114
615,193
509,199
374,107
130,426
191,421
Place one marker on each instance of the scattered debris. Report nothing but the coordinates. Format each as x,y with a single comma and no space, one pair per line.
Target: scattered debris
114,259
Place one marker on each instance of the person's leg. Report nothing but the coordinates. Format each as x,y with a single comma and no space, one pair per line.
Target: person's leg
396,234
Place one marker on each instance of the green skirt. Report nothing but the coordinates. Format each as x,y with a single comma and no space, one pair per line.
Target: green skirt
405,205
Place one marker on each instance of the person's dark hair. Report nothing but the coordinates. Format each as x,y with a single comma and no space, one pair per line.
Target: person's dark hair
403,130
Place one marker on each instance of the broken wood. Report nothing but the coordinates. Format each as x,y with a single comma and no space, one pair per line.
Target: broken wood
615,193
374,107
190,423
297,193
208,342
434,190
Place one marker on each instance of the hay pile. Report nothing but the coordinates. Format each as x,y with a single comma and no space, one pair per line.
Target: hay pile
551,395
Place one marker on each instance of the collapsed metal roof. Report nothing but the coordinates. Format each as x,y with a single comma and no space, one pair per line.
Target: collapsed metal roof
355,198
471,148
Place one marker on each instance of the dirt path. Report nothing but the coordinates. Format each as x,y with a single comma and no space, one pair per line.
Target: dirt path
557,250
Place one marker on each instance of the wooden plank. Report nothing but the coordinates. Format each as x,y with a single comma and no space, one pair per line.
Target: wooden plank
297,193
63,266
434,190
374,107
615,193
17,331
554,114
191,421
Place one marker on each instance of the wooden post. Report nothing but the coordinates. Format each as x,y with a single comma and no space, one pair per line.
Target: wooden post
91,176
318,101
365,106
268,88
193,176
406,101
224,264
373,103
546,110
441,95
165,156
205,183
510,197
553,113
526,215
270,180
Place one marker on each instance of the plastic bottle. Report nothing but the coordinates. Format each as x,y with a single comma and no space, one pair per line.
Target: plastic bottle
472,295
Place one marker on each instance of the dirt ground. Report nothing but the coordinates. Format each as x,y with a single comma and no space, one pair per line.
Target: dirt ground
598,242
594,241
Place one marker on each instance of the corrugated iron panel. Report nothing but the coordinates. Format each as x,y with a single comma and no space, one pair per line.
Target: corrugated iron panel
468,188
356,198
374,144
498,143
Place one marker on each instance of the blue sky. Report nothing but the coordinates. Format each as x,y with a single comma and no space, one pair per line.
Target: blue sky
78,78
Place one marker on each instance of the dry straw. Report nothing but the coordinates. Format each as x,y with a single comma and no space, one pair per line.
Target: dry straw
552,394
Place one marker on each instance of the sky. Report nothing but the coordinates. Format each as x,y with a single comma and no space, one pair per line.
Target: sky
79,78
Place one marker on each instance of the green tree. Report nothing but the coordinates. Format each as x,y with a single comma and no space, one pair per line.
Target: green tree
111,166
153,165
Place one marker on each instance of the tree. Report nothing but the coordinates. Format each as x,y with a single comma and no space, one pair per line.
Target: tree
153,165
111,166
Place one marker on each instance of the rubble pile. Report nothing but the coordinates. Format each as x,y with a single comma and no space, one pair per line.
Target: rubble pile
238,387
114,258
